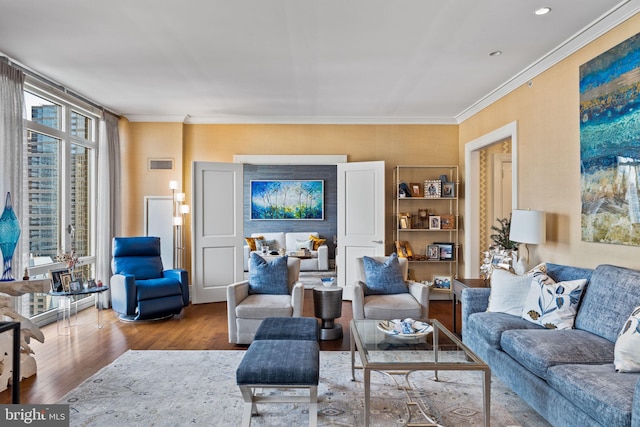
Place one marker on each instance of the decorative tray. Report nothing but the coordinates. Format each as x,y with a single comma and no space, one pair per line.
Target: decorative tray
407,328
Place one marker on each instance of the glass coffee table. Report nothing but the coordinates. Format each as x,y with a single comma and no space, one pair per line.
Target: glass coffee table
437,350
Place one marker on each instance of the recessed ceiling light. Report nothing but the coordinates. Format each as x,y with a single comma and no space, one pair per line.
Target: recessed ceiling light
542,11
496,53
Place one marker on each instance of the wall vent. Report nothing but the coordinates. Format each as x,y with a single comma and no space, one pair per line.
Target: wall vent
161,164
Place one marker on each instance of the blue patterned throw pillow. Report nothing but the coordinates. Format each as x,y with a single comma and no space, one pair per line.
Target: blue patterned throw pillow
268,277
383,278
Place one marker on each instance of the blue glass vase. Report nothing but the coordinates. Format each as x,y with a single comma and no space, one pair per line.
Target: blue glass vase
9,234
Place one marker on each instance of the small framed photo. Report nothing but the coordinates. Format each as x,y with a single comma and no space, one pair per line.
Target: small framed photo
433,252
417,190
434,222
404,220
65,279
446,251
432,188
441,283
56,282
447,222
75,286
403,249
448,189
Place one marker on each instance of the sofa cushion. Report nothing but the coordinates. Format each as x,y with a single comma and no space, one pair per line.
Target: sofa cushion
271,245
291,237
563,273
386,307
613,292
157,288
627,349
490,326
304,244
538,350
383,278
550,304
598,390
268,277
142,267
262,306
508,292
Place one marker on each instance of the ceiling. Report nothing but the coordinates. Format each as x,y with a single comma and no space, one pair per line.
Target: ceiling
297,61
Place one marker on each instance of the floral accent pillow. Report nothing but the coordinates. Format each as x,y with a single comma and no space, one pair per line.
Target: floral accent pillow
550,304
626,356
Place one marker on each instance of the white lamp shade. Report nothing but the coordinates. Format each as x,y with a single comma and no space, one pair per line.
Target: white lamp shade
528,227
184,209
177,220
173,185
180,197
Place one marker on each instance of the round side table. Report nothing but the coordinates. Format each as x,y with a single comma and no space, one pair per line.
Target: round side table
327,305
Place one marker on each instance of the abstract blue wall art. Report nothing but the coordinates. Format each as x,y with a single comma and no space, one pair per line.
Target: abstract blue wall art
610,145
287,199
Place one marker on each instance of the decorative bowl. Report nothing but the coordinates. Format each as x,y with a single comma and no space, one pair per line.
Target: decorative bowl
407,328
327,281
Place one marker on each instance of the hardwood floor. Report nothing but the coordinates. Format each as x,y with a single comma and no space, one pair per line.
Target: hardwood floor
66,361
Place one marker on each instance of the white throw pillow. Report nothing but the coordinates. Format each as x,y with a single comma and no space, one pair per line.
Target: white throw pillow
508,292
627,350
550,304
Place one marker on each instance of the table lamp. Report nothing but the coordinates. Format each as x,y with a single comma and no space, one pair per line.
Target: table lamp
527,227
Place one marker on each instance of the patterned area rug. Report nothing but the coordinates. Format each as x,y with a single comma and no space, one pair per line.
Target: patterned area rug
180,387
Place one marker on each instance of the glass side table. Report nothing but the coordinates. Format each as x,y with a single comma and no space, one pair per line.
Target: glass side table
65,306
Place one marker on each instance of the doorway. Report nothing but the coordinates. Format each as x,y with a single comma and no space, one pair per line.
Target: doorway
473,191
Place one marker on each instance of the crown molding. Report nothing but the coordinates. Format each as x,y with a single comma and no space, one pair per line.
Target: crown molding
617,15
163,118
326,120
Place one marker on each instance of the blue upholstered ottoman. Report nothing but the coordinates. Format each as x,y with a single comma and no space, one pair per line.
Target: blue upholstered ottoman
288,328
289,364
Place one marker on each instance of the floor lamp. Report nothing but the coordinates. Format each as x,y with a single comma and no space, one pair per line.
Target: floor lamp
527,227
180,209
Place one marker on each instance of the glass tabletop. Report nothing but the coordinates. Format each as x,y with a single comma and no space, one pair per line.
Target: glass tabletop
380,346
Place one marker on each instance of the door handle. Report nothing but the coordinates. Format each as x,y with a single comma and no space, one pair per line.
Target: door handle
378,241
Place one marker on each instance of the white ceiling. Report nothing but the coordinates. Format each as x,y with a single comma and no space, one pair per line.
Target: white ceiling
297,61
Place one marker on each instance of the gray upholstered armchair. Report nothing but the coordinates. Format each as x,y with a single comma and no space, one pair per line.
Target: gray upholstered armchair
407,300
272,290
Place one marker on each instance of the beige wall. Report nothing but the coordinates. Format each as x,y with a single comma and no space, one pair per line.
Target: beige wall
548,154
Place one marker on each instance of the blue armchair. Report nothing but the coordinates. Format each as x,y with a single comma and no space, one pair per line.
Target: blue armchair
140,288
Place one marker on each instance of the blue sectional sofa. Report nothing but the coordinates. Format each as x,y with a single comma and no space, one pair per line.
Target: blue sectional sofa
567,376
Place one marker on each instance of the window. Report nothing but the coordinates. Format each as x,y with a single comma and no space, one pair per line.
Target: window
61,147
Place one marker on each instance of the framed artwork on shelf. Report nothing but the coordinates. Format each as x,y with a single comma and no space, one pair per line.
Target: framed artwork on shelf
433,253
447,222
65,279
434,222
446,250
417,190
75,286
441,283
448,189
56,282
432,188
403,249
404,221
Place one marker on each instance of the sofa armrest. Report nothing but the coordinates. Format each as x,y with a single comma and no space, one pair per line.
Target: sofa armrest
297,299
247,251
474,300
420,292
323,257
357,303
236,293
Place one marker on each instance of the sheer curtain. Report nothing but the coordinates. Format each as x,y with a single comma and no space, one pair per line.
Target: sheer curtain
12,153
108,217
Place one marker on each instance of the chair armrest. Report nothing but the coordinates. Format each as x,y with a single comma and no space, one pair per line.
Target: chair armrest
236,293
323,257
181,276
247,251
474,300
123,293
297,299
357,303
420,292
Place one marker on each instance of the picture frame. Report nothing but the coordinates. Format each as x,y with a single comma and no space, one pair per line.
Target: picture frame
56,283
287,199
449,189
417,190
432,188
404,221
447,222
75,286
434,222
447,252
441,283
403,249
433,253
65,280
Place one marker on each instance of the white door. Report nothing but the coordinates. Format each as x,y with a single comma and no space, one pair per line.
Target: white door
360,218
218,230
158,220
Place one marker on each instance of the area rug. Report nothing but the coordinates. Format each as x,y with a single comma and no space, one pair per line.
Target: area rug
193,387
